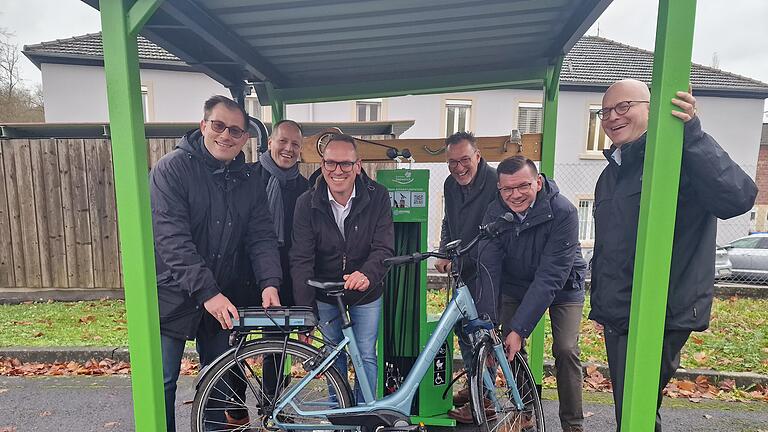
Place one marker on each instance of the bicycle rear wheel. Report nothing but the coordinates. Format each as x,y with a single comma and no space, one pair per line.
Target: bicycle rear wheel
240,393
493,399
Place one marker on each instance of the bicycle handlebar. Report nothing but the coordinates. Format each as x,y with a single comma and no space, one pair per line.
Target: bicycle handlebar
487,231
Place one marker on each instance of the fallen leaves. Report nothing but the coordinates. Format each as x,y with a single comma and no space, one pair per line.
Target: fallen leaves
15,367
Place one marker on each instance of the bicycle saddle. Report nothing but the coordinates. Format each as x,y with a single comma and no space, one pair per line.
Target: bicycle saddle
329,288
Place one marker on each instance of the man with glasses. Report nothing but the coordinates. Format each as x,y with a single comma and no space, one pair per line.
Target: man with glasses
213,241
535,263
467,192
711,186
343,230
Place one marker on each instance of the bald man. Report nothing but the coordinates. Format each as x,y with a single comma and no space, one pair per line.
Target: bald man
712,186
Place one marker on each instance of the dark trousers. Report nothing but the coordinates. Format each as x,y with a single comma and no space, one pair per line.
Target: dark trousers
616,348
566,323
210,344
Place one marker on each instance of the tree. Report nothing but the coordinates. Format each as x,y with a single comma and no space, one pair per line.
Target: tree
17,102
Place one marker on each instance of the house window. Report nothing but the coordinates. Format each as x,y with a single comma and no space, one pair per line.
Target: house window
253,107
529,118
457,115
145,102
266,113
368,110
596,139
586,220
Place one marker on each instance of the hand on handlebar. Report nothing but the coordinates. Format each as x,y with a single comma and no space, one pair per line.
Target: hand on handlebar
356,281
443,265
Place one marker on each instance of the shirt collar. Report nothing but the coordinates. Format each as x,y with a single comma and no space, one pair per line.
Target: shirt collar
331,199
616,155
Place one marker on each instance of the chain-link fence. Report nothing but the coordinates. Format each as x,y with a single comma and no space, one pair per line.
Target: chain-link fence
741,256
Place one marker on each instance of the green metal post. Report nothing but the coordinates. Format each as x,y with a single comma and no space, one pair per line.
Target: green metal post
658,206
277,102
129,153
551,92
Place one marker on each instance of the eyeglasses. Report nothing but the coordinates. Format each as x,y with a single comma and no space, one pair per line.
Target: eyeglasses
220,127
465,162
523,188
620,108
346,166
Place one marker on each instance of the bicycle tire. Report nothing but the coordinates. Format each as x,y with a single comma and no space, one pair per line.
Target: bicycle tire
503,415
211,407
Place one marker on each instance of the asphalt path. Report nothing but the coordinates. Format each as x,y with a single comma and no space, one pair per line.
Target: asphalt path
105,404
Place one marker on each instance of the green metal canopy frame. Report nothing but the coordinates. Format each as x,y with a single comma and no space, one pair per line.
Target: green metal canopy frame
238,65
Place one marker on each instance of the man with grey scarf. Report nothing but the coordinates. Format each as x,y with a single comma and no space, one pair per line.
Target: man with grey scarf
279,170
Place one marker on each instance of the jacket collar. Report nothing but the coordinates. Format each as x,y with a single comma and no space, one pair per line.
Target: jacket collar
359,201
632,153
478,183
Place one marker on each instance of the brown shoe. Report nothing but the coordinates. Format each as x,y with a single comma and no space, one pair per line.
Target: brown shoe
573,428
461,397
464,414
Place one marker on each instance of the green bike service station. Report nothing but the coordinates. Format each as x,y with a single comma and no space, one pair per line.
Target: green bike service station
407,323
334,50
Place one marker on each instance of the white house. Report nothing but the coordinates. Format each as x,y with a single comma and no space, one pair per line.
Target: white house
730,106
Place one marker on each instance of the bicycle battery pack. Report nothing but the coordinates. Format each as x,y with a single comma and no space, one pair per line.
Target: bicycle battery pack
288,318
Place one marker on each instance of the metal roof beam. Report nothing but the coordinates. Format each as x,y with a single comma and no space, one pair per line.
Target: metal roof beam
530,77
222,39
224,79
140,13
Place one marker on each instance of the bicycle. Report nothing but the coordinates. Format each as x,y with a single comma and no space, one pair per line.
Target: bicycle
301,390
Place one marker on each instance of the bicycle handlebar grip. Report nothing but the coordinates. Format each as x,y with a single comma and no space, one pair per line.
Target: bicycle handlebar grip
403,259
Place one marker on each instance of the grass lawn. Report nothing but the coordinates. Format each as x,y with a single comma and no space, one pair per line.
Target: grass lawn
736,341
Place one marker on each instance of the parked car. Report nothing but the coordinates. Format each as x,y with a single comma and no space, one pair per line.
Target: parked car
749,257
723,265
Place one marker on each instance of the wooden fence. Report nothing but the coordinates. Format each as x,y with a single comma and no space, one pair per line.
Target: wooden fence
58,217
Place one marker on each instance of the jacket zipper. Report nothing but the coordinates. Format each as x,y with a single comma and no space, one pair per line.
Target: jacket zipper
343,262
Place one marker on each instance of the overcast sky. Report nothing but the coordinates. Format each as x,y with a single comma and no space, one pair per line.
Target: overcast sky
737,30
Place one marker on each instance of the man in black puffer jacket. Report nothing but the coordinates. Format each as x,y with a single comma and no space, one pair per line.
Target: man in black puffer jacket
712,186
535,263
343,230
215,244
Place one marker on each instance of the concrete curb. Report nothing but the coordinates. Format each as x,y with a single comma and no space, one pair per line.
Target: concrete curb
83,354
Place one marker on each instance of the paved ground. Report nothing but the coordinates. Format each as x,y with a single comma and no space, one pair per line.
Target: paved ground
104,404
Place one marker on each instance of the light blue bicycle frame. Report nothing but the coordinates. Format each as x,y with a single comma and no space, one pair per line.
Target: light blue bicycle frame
460,306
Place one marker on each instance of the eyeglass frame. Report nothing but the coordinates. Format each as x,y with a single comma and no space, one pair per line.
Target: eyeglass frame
452,164
339,165
523,188
232,129
602,113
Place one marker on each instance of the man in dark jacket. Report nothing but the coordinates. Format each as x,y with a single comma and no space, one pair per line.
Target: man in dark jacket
278,170
343,230
712,186
535,263
467,192
214,243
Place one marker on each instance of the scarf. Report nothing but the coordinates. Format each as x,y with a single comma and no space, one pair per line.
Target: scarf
277,181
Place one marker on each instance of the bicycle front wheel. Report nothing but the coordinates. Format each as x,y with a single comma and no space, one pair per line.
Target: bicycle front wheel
493,395
241,393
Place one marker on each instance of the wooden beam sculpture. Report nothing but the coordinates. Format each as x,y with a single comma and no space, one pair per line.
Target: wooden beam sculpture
493,149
